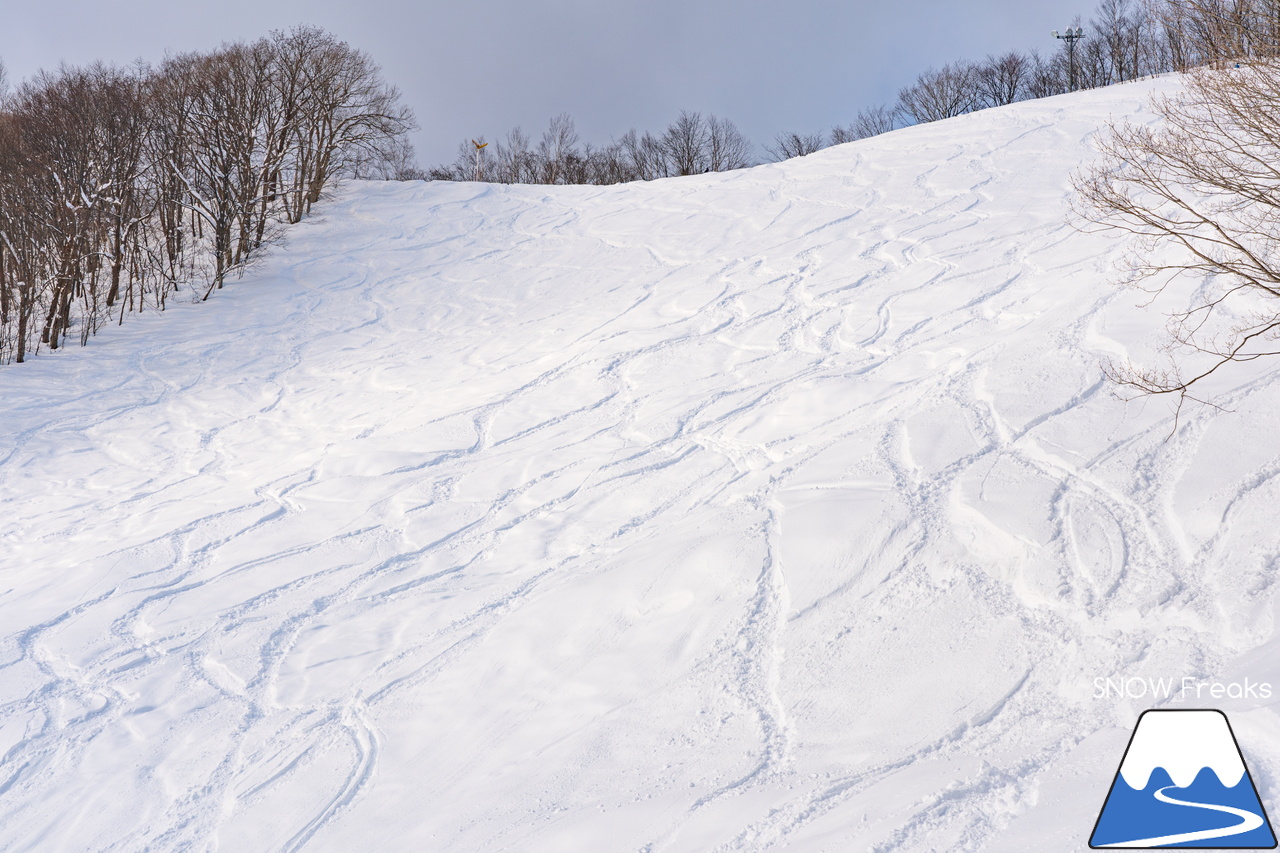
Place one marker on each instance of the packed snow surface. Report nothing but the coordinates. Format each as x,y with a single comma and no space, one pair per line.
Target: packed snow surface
781,509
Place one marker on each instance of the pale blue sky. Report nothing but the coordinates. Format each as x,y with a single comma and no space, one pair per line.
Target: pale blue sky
482,67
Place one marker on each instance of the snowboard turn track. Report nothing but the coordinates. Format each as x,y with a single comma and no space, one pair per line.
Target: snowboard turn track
783,509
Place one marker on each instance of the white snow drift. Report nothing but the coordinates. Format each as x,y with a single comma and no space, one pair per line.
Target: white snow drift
777,509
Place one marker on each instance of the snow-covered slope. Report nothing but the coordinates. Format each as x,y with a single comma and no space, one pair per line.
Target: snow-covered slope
778,509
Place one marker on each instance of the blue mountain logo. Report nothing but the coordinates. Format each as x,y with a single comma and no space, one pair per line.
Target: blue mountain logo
1183,783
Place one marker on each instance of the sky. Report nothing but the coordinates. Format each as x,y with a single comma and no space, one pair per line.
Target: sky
473,69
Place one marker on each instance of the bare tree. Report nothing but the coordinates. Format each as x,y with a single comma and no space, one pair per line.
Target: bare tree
73,205
642,156
690,145
939,94
871,121
1219,31
840,134
556,149
24,233
727,147
1093,68
171,101
348,108
117,186
1003,79
788,145
513,161
221,99
62,114
1202,196
1048,75
1128,38
128,205
684,144
391,159
611,165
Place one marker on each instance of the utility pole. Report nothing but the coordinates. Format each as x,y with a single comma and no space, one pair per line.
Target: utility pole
1071,38
479,150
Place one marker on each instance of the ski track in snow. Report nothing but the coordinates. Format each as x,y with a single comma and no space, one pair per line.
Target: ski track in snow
777,509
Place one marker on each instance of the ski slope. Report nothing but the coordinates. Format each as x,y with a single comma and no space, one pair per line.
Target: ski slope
781,509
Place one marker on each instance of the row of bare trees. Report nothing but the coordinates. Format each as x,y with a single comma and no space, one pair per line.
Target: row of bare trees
1125,40
1204,32
1199,196
691,145
120,186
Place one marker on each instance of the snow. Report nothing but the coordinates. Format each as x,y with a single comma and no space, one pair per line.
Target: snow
777,509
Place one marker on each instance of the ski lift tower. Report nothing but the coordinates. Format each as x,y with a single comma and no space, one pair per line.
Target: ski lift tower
1071,37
